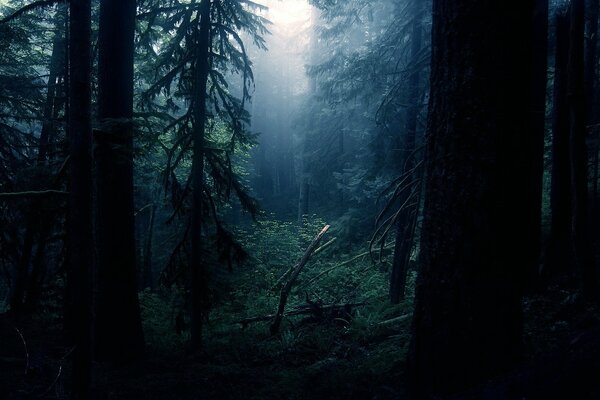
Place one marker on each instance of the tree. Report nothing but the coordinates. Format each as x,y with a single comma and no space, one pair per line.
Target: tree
406,220
535,140
558,255
578,151
467,321
202,50
199,271
80,206
119,333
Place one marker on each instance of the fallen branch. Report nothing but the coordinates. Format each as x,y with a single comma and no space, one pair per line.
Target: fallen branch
285,291
302,310
289,271
33,193
396,319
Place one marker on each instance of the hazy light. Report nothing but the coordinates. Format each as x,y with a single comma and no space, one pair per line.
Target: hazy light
285,14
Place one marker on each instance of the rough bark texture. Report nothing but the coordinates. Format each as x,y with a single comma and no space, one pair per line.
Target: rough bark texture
199,271
80,207
468,321
558,255
118,324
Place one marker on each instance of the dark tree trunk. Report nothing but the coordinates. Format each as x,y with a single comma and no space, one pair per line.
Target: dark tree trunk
468,320
80,207
119,334
199,271
591,58
558,255
407,219
535,140
578,151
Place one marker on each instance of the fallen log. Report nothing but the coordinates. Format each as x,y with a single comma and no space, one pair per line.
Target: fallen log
302,310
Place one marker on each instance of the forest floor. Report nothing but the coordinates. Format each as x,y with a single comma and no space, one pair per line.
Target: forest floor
329,359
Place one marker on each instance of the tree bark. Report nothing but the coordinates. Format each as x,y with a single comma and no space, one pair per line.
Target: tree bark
80,207
535,140
578,151
199,271
558,255
119,335
467,322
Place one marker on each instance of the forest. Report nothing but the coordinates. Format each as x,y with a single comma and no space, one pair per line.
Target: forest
299,199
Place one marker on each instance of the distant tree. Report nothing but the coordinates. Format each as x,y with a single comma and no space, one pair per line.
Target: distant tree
468,320
118,323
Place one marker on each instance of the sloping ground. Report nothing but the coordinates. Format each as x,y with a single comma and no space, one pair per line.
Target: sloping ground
327,360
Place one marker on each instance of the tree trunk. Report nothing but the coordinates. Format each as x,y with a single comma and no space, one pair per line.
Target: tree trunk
405,226
591,58
199,272
578,151
558,255
535,141
80,207
468,320
119,334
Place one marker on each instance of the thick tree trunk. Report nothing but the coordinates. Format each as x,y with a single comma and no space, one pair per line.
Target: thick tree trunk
199,271
468,320
578,151
80,207
558,255
535,140
119,334
591,58
405,226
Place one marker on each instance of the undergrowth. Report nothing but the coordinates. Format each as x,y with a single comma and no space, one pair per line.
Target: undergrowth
329,358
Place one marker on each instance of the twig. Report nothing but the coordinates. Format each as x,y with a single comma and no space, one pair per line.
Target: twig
26,351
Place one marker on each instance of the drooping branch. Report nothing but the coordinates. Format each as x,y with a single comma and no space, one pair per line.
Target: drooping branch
33,6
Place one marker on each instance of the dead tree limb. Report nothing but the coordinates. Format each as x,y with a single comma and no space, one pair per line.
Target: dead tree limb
285,291
291,269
